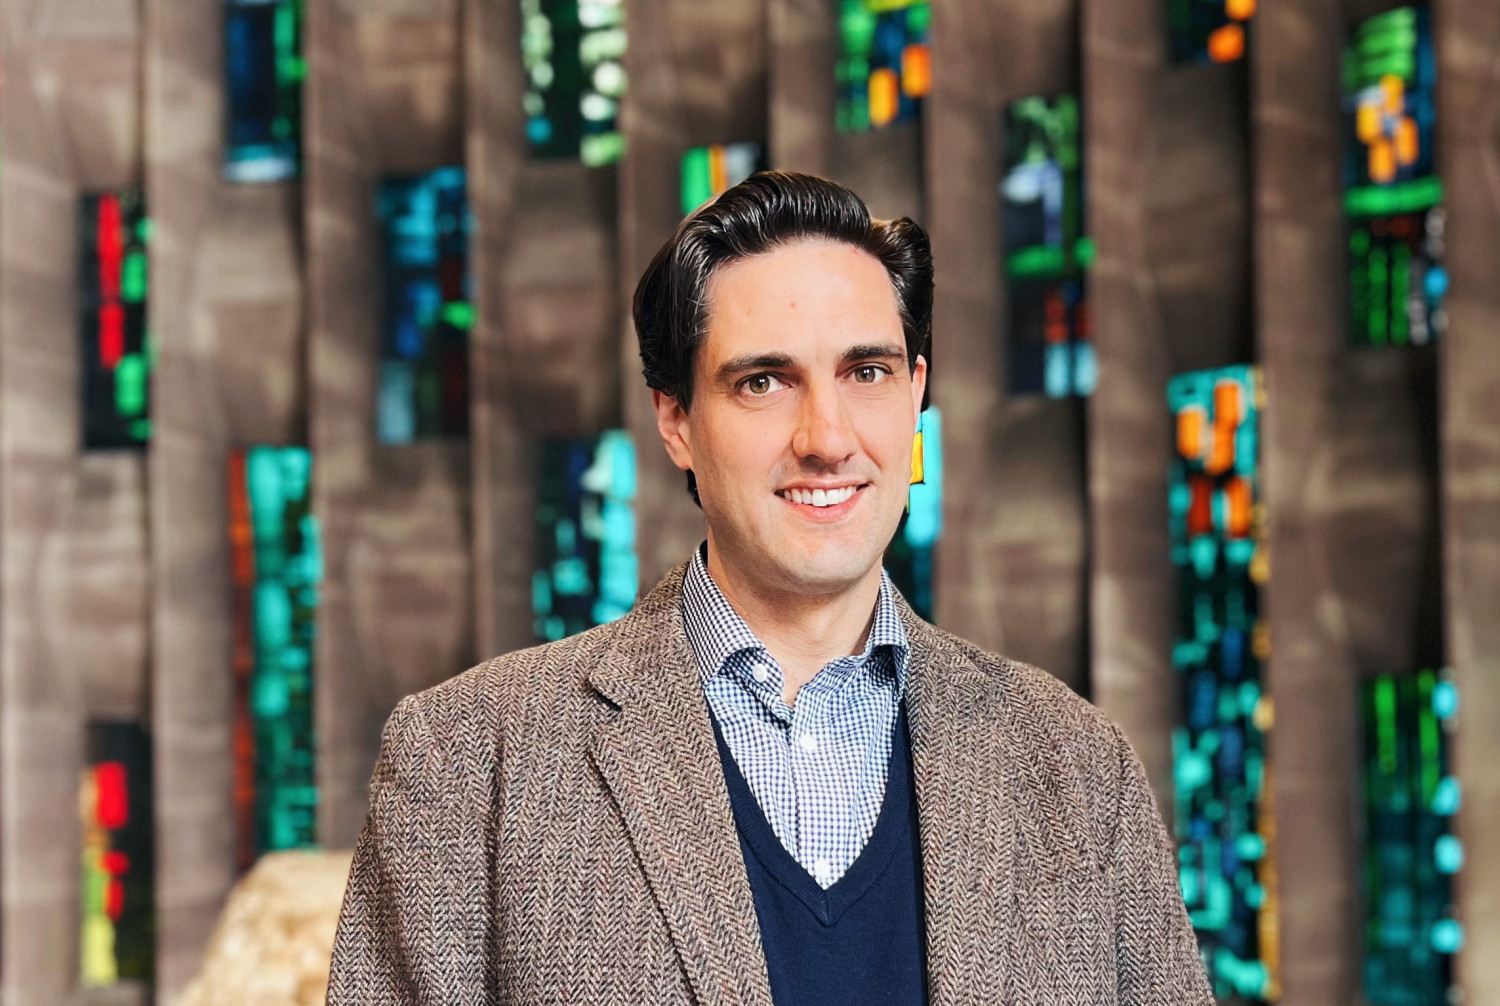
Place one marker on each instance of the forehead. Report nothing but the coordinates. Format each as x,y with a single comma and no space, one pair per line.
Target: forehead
799,299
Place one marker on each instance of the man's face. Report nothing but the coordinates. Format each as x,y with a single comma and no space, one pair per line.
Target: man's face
803,412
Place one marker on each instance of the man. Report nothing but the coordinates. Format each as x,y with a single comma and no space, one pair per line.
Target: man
771,782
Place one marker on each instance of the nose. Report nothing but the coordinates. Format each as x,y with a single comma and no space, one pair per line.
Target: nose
824,432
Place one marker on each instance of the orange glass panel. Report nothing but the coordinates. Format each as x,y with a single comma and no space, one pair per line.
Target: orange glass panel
916,69
1240,10
718,168
1408,141
1221,456
1190,433
885,98
1367,122
1382,161
1227,44
1229,404
1393,92
1200,515
1237,496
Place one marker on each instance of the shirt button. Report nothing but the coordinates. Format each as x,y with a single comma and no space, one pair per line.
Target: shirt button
761,673
824,869
808,742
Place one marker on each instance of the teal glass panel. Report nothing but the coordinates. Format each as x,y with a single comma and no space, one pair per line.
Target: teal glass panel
1222,783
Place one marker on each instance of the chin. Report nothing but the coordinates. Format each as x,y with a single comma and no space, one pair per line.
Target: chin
824,570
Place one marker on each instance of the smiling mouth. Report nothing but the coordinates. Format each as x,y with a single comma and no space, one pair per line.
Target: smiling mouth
820,497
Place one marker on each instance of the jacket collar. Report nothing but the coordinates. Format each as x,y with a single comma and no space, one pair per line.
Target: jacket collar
657,755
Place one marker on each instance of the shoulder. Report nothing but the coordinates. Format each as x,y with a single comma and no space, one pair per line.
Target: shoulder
471,715
1032,699
1056,731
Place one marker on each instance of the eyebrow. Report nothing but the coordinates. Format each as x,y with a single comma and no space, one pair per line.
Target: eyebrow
879,351
754,361
781,361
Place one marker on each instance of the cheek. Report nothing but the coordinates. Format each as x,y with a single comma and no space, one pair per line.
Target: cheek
744,451
888,439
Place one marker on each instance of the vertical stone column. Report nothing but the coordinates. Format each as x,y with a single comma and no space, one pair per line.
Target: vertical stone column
1301,264
1168,187
802,43
384,97
1467,38
227,315
502,497
697,76
884,166
546,347
1012,564
74,616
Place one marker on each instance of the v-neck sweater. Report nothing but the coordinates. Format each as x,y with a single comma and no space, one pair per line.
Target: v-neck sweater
859,941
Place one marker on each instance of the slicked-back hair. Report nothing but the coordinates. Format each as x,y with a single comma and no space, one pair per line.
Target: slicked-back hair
767,211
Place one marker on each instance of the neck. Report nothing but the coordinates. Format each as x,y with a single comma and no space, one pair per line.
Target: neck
803,632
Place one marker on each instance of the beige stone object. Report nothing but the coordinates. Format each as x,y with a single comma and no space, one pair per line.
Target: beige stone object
273,942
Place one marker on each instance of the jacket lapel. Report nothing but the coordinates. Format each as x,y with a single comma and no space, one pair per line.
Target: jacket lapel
658,757
962,768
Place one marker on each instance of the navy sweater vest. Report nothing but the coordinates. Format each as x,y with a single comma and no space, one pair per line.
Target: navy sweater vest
861,941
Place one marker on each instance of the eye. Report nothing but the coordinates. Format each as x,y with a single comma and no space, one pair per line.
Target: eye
759,385
870,373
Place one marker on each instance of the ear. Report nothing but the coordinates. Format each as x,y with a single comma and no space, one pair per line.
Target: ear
672,424
918,388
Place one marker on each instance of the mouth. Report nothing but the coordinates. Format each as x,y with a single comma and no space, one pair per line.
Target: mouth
824,504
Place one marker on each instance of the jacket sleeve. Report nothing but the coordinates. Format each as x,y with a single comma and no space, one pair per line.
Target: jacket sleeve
1156,951
410,932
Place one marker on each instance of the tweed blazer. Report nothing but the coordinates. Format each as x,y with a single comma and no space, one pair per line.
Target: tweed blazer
553,826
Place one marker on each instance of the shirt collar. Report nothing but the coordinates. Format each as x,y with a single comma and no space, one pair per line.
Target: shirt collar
716,632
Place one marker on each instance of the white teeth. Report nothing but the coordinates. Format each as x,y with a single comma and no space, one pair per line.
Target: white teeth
819,497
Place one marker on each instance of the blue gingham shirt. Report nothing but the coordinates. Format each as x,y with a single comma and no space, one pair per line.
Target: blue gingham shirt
817,768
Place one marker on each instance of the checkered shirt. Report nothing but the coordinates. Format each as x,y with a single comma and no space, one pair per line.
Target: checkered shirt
817,768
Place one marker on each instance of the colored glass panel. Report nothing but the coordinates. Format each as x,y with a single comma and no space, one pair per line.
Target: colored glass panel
264,70
908,558
1222,804
1397,283
573,52
1208,31
1392,193
118,913
1046,253
113,281
424,365
1411,853
586,571
884,66
276,569
709,171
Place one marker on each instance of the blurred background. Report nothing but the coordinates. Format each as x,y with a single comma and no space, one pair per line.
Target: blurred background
317,386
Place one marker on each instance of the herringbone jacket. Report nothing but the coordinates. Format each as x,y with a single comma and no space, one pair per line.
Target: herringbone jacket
553,827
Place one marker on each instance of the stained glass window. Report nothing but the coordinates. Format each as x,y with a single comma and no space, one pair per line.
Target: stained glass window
1208,31
277,569
1393,194
1410,850
908,558
708,171
585,562
264,70
1046,252
118,915
424,358
574,55
1225,827
884,67
117,355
